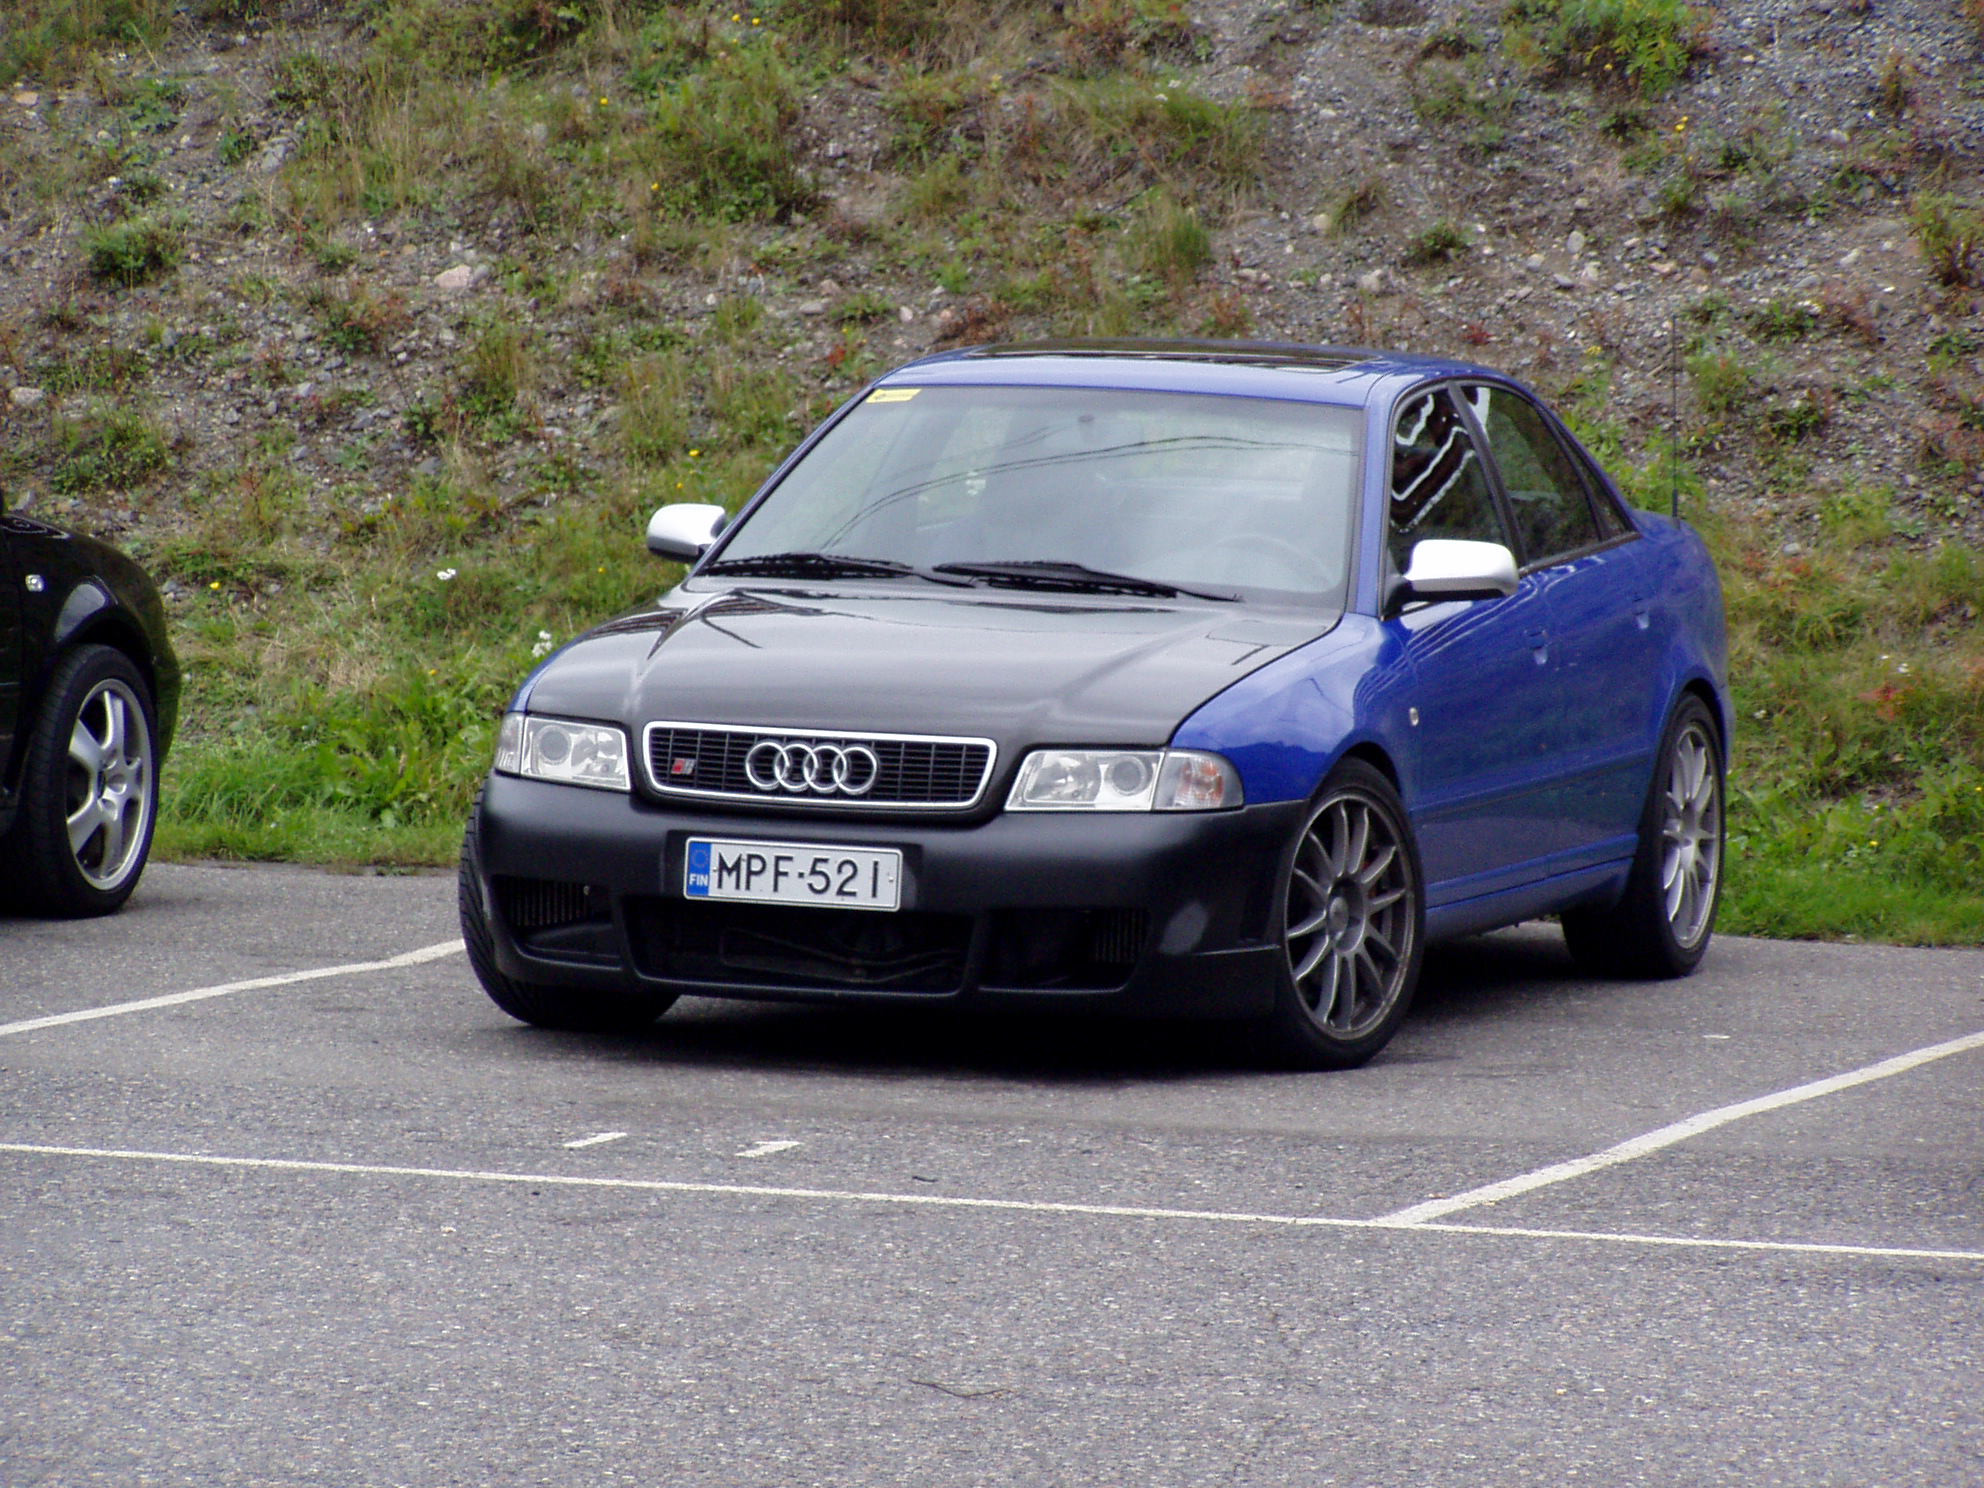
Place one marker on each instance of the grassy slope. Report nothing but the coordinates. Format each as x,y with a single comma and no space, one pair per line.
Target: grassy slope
349,644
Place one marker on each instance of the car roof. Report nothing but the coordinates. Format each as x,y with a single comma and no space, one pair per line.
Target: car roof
1344,375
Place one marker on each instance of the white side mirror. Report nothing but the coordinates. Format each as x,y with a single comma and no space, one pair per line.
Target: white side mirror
682,531
1450,568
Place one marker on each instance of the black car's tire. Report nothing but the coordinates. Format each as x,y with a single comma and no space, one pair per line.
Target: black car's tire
1662,923
571,1009
1351,918
89,789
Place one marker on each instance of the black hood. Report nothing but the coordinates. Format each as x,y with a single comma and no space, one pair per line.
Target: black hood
1021,670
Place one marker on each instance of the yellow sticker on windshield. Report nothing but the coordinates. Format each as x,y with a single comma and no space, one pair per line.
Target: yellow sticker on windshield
893,395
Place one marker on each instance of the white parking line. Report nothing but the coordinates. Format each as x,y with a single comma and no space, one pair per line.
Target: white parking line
255,984
1679,1131
960,1201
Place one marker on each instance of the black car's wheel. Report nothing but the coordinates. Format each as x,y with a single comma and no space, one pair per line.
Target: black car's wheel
1352,925
572,1009
1661,925
89,788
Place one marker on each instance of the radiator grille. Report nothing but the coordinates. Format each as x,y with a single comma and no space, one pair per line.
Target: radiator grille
910,772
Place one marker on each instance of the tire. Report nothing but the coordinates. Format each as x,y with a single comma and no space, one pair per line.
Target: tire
1351,918
89,789
1662,923
568,1009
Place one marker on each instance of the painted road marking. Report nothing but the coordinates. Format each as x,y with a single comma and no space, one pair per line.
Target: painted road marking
768,1149
1015,1206
199,994
597,1139
1679,1131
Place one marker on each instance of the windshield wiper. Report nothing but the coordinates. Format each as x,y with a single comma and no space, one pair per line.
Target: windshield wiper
802,565
1049,573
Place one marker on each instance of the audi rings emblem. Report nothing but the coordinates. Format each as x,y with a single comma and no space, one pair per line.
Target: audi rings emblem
822,769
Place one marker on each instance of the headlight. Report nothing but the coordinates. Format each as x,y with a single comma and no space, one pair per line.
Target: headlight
592,754
1124,780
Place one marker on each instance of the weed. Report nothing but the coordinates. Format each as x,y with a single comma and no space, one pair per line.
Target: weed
1435,244
113,448
863,307
1647,43
654,408
1950,230
55,39
1169,240
1783,320
1105,35
133,251
1721,381
1894,84
357,320
1355,204
722,139
234,146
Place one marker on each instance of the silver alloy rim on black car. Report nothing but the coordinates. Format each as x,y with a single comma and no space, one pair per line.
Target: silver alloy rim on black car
108,802
1690,835
1350,916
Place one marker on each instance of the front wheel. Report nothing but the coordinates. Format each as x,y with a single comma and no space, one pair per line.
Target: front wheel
1352,925
89,788
572,1009
1661,925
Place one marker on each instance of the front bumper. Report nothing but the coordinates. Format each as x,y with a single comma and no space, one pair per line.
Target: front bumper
1166,914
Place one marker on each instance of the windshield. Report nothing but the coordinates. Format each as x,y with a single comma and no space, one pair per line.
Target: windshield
1196,491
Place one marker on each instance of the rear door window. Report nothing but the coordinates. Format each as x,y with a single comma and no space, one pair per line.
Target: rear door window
1548,498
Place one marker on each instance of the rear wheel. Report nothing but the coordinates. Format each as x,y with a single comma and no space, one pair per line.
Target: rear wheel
1661,925
573,1009
1352,925
89,788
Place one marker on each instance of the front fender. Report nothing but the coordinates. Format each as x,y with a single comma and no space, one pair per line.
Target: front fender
1286,726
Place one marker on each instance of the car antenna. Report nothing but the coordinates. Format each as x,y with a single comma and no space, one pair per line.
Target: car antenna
1674,420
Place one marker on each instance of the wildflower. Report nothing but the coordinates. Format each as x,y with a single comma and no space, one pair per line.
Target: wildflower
214,585
694,453
444,574
544,644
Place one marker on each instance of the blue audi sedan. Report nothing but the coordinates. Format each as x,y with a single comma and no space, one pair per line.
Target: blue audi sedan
1175,678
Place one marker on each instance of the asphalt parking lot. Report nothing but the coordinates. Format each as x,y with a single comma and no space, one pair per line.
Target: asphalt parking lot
289,1202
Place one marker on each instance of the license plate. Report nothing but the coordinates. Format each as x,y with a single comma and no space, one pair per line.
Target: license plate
793,873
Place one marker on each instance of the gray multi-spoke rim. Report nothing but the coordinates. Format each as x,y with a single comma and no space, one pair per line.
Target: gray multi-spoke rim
1350,923
1690,835
108,802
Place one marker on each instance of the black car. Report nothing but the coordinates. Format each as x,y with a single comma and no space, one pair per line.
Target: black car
89,694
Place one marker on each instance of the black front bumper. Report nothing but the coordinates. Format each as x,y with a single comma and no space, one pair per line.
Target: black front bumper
1161,914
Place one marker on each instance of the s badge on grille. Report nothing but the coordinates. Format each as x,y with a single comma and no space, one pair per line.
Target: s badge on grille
682,767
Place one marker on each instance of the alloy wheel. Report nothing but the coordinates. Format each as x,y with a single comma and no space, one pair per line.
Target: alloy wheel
1690,835
1349,916
108,801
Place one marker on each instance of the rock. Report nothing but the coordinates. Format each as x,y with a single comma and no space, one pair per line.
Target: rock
273,155
1574,244
1850,260
27,98
905,313
1372,283
460,278
812,307
27,397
